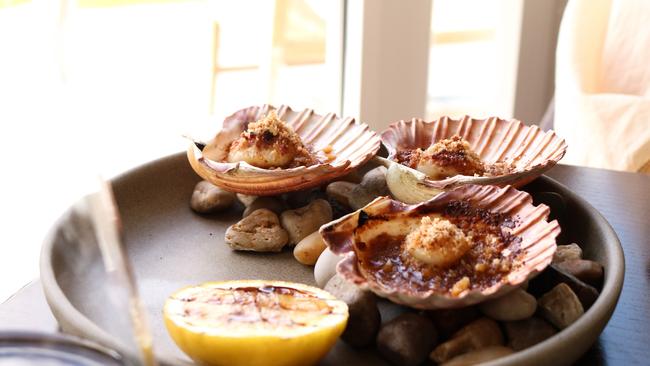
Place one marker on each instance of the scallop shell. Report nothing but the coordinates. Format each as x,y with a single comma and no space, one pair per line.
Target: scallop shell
528,148
537,244
352,144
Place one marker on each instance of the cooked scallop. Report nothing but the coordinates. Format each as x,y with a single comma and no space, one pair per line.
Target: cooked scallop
269,143
449,157
436,242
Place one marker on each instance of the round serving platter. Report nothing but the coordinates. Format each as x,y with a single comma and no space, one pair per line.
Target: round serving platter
44,349
170,247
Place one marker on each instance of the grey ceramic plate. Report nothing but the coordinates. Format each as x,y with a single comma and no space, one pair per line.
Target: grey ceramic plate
30,348
171,247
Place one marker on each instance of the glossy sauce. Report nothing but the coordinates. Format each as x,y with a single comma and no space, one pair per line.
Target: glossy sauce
492,256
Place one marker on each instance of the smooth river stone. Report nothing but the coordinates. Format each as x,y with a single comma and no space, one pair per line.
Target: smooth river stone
302,198
448,321
340,191
561,306
372,185
325,267
364,319
481,333
526,333
585,270
260,232
554,275
479,356
272,204
407,339
566,252
515,305
208,198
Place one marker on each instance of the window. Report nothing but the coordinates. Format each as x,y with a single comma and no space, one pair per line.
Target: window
92,87
100,86
473,58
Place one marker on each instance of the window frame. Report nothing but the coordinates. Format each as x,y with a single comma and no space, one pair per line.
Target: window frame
381,85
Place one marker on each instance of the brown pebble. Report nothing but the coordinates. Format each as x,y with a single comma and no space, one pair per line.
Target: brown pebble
375,181
338,209
340,192
553,275
526,333
407,339
515,305
585,270
481,333
364,318
305,220
372,186
304,197
246,199
208,198
353,177
270,203
565,252
448,321
260,232
309,249
561,306
479,356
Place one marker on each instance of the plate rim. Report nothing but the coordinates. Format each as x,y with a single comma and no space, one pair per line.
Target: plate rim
53,340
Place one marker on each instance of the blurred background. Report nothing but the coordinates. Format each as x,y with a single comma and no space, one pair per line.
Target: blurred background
92,87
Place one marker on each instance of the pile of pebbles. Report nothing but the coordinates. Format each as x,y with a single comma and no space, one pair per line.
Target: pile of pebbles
269,224
550,302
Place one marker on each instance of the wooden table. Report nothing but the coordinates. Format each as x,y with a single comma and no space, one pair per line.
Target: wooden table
623,198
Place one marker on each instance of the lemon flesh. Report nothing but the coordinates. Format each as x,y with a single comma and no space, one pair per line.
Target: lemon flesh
253,322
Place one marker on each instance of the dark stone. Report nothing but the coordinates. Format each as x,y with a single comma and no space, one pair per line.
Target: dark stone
585,270
566,252
448,321
407,339
560,306
526,333
552,276
481,333
338,209
303,198
364,319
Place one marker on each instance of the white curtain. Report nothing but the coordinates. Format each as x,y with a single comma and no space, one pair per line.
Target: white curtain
603,83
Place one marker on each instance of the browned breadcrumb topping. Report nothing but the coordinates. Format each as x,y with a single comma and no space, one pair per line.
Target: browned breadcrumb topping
327,154
493,254
436,242
460,286
409,157
498,168
454,153
270,133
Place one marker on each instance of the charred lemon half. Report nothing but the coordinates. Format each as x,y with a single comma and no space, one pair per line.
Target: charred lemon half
253,322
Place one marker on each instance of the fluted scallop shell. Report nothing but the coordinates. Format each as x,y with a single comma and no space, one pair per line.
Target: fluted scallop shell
528,222
531,150
352,144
